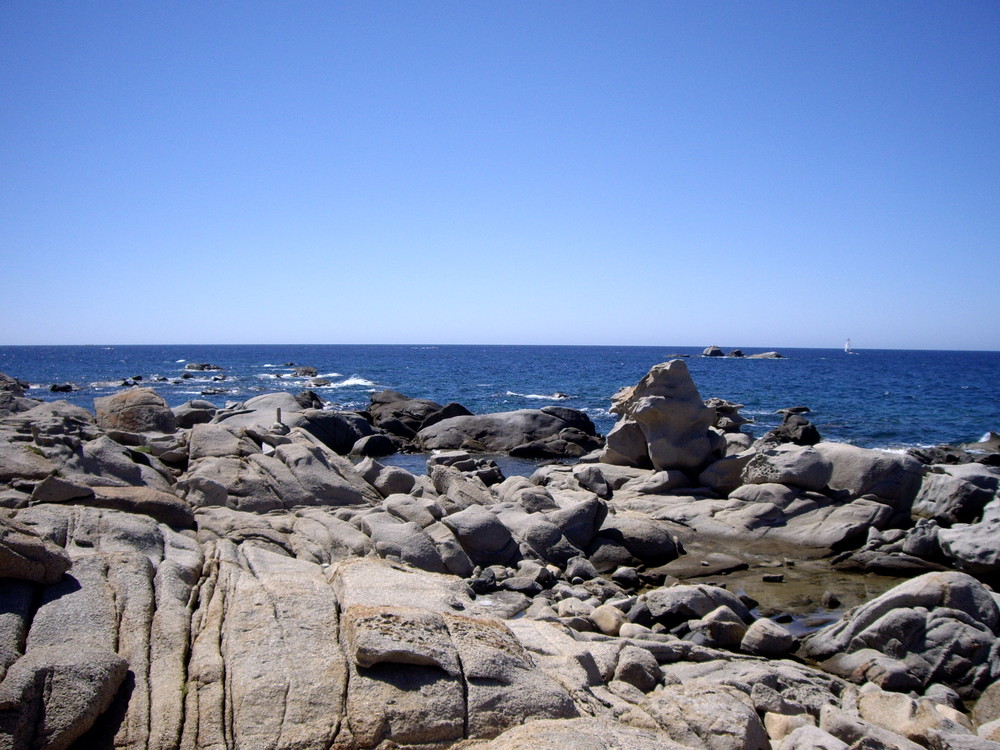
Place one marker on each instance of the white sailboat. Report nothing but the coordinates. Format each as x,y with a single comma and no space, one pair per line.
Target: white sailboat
847,347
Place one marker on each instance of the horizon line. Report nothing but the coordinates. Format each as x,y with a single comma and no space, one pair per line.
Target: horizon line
438,345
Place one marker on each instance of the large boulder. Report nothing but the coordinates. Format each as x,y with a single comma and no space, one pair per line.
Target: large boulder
12,385
937,628
507,431
974,547
337,430
794,465
300,472
482,535
136,410
951,499
196,411
891,477
259,412
664,422
715,717
404,417
53,694
672,605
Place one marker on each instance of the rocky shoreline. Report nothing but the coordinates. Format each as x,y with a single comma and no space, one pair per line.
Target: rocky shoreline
255,577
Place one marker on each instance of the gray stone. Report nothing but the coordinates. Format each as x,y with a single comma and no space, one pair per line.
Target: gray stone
851,729
579,517
580,734
792,465
217,440
973,547
665,412
26,556
498,432
891,477
53,695
949,500
136,410
716,717
638,667
676,604
542,537
767,638
196,411
942,625
648,541
810,738
404,541
388,480
483,537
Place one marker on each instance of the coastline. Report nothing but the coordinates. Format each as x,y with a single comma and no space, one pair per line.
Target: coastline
259,561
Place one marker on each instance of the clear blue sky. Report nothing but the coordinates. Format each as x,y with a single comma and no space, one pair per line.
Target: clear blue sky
746,174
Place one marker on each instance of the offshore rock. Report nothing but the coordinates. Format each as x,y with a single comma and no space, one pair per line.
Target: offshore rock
664,422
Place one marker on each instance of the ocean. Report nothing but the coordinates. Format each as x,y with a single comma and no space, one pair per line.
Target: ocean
889,399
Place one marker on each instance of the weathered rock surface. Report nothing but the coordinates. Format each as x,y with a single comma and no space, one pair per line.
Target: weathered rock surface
136,410
28,557
525,429
939,627
404,416
664,422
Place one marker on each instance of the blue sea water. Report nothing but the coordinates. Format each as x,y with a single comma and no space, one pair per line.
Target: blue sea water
876,398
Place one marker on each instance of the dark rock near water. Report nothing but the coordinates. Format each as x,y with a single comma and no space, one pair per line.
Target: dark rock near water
201,367
404,416
713,351
794,429
12,385
507,431
727,415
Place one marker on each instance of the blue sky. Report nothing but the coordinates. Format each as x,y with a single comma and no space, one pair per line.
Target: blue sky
688,173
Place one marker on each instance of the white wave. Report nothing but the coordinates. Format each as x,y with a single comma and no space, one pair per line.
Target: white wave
182,360
330,375
543,396
353,382
596,411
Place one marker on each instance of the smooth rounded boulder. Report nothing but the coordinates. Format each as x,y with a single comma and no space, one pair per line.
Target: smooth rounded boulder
136,410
